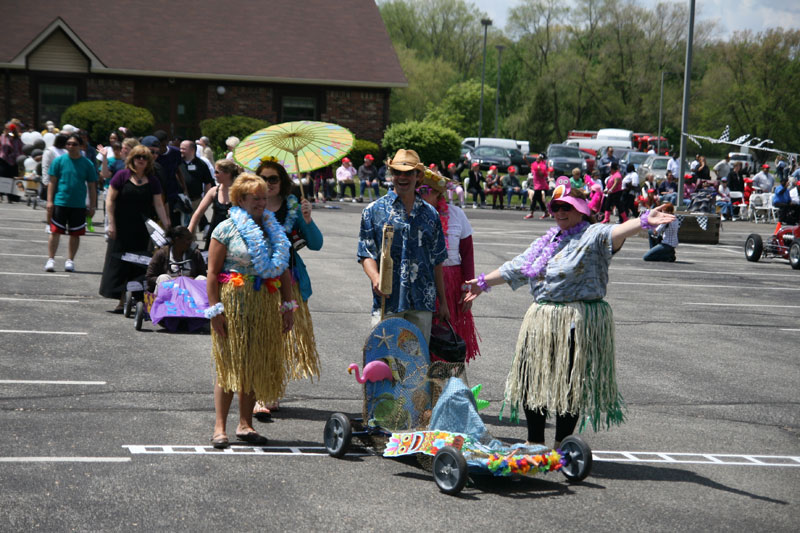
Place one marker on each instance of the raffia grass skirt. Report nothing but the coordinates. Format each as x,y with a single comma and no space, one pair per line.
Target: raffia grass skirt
252,358
540,372
462,321
299,344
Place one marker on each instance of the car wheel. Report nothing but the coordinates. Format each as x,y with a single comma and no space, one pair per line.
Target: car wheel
450,470
753,247
794,255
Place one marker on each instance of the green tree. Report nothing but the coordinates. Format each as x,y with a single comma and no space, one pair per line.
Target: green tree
99,117
220,128
460,109
428,81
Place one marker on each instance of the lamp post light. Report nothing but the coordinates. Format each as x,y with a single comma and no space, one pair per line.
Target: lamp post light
497,92
486,23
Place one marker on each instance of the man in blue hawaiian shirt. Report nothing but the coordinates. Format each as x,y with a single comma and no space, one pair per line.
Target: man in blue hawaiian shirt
418,248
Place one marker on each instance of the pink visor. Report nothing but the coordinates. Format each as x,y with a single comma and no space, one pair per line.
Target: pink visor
561,194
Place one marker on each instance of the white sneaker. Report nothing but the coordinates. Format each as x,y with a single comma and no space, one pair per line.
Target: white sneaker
50,266
69,266
474,206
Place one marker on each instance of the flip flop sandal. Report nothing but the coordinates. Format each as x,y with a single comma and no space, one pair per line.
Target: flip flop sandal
220,441
261,413
252,437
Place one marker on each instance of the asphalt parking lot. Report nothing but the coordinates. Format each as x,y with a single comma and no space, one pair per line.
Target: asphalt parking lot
104,428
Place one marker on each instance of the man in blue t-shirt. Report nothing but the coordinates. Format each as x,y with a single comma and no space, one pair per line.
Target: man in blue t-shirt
66,200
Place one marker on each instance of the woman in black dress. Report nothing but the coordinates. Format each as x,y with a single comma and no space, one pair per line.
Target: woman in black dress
225,171
134,193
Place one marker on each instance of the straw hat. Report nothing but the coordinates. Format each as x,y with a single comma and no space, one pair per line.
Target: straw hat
405,160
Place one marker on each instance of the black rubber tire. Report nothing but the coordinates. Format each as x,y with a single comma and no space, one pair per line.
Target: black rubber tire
753,247
450,470
794,255
338,435
128,306
579,459
139,316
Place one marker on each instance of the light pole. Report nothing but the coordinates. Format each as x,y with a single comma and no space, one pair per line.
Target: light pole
687,71
497,92
660,108
486,23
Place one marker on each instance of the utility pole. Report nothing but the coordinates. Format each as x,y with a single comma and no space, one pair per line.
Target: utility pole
660,109
687,75
486,23
497,92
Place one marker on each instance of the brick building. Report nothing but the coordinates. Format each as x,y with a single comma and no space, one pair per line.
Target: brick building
187,60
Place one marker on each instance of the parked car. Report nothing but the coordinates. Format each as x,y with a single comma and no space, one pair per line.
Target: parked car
563,159
487,156
657,164
746,160
637,158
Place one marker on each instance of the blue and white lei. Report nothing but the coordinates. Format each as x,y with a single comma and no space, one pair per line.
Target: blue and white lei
293,208
271,258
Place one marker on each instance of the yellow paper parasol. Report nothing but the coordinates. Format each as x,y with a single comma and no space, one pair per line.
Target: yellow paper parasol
300,146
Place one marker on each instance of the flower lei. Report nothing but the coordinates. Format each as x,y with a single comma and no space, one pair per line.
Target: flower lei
291,213
271,258
545,246
444,217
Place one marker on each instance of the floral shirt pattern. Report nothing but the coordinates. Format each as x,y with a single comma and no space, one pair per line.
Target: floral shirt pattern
237,259
418,246
577,271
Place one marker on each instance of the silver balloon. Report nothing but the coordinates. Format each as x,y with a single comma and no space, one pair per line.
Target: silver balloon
49,138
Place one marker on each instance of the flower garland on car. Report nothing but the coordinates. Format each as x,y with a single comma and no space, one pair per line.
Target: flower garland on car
271,258
545,246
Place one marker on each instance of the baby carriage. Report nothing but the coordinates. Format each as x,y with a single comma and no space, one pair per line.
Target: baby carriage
413,405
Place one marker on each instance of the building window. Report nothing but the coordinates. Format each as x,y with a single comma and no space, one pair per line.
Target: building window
54,99
298,108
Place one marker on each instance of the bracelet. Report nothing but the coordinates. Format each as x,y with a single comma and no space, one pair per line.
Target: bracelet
288,306
482,285
643,222
214,310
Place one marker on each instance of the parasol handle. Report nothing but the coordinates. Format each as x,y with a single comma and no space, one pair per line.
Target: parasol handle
297,169
386,265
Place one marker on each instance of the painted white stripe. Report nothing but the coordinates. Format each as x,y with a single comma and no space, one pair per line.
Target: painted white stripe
715,273
39,300
294,451
48,274
740,287
65,459
786,329
720,459
32,255
43,332
42,382
743,305
20,241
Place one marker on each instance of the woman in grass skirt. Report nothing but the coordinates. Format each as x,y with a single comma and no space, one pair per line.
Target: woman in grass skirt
251,308
564,359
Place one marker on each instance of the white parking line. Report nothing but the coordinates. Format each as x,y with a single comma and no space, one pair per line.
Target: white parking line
42,382
697,458
304,451
786,329
43,332
742,287
39,300
743,305
18,240
31,255
49,274
65,459
726,273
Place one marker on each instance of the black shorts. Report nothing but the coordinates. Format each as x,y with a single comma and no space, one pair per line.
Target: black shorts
70,220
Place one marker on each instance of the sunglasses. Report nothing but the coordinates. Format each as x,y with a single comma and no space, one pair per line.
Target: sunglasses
560,206
140,157
403,172
272,180
424,189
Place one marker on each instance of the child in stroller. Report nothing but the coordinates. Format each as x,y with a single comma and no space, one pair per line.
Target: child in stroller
181,258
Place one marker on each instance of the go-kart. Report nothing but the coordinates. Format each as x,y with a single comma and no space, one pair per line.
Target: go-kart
784,243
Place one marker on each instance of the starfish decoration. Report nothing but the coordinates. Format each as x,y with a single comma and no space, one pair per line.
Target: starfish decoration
480,404
384,338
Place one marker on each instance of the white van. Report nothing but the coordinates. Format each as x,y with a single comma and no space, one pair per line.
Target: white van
522,146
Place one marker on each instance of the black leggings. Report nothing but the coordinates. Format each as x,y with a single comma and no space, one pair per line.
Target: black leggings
538,197
537,419
476,192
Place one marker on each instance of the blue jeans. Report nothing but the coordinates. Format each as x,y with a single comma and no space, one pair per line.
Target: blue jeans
374,187
671,197
511,192
659,251
726,208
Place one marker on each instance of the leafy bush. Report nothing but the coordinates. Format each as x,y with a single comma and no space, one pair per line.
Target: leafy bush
432,142
361,148
220,128
460,108
99,117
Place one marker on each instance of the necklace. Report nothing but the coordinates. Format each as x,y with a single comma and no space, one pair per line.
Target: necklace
291,214
270,257
545,246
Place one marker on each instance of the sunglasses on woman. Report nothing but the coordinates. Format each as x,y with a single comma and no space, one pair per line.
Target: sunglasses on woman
272,180
424,189
561,206
140,157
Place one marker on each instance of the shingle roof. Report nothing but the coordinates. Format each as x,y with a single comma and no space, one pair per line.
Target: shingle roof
300,41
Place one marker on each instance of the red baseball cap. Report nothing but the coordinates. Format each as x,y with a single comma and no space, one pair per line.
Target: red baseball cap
369,156
512,168
476,164
346,160
451,165
432,166
765,165
550,169
493,167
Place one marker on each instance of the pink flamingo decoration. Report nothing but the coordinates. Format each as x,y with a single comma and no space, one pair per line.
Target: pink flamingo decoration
373,371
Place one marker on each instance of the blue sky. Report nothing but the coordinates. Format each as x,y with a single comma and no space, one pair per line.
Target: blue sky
755,15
